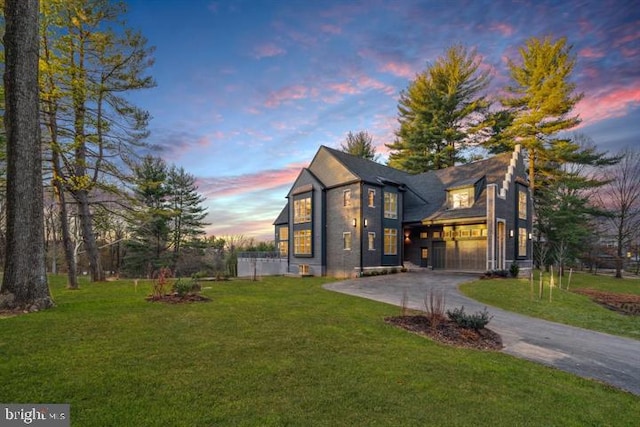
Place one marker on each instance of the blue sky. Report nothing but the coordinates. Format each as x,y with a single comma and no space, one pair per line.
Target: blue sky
248,90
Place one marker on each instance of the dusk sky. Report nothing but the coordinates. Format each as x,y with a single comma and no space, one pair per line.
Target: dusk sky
248,90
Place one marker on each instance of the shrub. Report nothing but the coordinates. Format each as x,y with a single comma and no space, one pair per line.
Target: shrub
161,281
182,287
475,321
514,270
434,302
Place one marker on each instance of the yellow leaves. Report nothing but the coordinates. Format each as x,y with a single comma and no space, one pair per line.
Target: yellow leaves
75,183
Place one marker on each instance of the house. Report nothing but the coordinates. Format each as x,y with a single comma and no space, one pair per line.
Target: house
347,216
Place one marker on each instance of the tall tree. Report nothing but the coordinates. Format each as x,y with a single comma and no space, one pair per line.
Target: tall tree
187,208
439,112
620,197
359,144
88,63
541,99
24,282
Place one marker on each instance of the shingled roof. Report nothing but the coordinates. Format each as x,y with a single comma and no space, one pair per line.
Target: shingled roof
426,196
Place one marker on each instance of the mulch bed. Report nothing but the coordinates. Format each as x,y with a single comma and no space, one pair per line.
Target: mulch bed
448,332
174,298
628,304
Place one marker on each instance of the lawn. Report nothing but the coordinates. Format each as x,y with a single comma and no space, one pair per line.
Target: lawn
563,306
281,351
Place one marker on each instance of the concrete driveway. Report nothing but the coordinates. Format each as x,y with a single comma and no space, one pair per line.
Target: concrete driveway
607,358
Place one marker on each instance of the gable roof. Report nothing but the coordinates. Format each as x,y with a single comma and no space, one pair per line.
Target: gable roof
426,196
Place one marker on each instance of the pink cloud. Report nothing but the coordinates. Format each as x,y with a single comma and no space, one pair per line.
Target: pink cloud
398,69
268,50
591,53
330,29
614,103
502,28
345,88
288,93
248,183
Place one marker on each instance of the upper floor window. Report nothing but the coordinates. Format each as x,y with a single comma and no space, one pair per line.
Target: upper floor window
302,210
346,198
391,205
522,204
461,198
371,198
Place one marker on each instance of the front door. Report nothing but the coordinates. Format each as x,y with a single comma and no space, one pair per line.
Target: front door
424,257
438,255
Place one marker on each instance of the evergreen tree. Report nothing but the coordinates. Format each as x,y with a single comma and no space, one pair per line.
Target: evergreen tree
89,60
150,228
187,208
359,144
24,282
540,99
439,113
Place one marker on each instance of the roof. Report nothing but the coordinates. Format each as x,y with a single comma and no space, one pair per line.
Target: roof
426,196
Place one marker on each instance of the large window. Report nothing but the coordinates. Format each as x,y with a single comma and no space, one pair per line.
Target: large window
522,241
302,210
391,205
346,241
390,241
522,204
302,242
460,198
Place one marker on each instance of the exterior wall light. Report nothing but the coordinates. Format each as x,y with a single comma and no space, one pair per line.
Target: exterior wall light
510,233
355,222
366,223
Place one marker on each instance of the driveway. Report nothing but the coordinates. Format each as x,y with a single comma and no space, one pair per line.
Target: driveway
607,358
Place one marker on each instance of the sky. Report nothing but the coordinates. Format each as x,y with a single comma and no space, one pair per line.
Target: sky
248,90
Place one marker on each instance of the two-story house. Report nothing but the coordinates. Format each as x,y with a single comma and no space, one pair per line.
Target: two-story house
346,216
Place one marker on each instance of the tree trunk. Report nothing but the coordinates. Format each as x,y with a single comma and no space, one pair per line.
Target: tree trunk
24,283
88,238
67,242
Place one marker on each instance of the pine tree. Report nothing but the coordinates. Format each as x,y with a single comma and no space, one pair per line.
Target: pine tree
439,113
150,228
24,284
541,99
188,212
359,144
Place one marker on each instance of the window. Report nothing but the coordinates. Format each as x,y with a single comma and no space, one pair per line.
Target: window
346,241
372,241
390,241
302,210
371,198
522,241
346,198
283,248
424,235
302,242
391,205
283,241
522,204
460,198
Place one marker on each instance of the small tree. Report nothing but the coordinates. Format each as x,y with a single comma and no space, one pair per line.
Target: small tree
359,144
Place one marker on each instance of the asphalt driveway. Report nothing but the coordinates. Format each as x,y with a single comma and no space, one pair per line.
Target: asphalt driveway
607,358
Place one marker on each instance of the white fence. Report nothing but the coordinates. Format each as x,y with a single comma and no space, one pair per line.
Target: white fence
254,264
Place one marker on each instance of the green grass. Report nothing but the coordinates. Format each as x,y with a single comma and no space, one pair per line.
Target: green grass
277,352
565,306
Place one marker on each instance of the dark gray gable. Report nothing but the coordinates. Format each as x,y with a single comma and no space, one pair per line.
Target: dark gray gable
283,218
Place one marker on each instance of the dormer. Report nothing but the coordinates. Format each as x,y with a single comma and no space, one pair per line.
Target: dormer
464,194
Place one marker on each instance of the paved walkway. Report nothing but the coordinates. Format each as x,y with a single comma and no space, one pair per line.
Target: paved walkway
607,358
